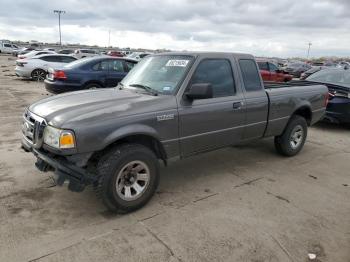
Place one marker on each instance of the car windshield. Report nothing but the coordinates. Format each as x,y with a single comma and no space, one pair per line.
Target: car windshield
339,77
133,55
163,73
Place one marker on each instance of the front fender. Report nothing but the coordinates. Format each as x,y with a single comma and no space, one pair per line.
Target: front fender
130,130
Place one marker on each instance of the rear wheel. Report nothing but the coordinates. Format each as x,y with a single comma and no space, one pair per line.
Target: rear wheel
38,75
293,138
128,176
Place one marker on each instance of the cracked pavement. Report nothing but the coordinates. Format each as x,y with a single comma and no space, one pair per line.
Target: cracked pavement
243,203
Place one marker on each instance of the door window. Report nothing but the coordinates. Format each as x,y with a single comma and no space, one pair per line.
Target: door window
67,59
263,66
101,66
51,58
218,73
116,66
250,75
272,67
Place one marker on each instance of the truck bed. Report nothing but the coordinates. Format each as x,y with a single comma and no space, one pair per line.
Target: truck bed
286,98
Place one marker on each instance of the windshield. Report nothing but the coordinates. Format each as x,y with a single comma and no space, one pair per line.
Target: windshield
339,77
133,55
162,73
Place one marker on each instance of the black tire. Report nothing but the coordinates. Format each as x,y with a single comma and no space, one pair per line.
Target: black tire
93,86
112,164
38,75
285,144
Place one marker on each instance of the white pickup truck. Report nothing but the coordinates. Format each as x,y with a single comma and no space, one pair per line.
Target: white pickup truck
7,48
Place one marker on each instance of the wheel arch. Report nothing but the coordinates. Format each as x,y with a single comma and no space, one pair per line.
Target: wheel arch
93,82
304,111
136,134
38,68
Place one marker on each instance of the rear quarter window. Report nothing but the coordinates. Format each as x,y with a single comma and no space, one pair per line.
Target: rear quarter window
250,74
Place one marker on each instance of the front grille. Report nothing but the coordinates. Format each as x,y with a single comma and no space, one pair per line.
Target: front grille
33,128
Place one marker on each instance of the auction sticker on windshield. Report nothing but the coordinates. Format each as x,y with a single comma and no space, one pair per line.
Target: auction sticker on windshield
182,63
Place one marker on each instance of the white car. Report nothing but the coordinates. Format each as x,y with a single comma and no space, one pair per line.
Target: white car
34,53
7,48
81,53
36,68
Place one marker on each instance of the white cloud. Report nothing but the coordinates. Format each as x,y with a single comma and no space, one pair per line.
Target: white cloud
273,28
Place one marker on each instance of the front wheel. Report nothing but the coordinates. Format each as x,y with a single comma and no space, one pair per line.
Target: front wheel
293,137
128,176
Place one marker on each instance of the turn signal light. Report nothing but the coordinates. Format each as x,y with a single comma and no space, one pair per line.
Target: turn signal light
67,140
326,98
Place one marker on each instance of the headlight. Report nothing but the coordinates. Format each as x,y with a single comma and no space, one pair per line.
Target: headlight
58,138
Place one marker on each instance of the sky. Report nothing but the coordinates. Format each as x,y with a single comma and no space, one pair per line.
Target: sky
280,28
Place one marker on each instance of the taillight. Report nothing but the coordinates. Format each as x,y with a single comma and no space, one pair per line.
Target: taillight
22,57
326,98
59,75
21,63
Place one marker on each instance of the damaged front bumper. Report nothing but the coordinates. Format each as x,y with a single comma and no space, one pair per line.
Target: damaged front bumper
77,177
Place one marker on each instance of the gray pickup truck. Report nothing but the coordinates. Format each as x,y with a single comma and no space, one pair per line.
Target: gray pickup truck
170,106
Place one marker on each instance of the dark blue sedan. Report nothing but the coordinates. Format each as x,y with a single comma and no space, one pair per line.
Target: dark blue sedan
338,82
88,73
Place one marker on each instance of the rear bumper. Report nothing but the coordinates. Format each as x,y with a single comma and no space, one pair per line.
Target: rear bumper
338,118
77,177
21,72
60,87
338,110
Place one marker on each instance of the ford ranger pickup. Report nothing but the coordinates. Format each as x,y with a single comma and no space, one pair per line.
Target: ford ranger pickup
170,106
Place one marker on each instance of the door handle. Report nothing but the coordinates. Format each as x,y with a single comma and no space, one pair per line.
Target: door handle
237,105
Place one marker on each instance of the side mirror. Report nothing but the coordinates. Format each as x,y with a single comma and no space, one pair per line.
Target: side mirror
278,71
200,91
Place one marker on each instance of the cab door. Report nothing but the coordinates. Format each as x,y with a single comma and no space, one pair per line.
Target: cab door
214,122
257,102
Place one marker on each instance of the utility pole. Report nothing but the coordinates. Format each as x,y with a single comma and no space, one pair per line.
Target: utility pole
59,12
308,50
109,38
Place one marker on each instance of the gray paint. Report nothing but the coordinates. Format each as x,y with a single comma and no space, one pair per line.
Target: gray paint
101,117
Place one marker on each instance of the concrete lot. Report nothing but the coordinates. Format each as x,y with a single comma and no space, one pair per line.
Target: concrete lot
237,204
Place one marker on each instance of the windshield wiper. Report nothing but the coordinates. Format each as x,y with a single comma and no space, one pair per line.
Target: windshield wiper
147,88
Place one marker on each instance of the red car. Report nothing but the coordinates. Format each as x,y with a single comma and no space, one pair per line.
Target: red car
270,72
115,53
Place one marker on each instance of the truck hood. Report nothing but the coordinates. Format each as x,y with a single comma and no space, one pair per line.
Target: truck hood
66,110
